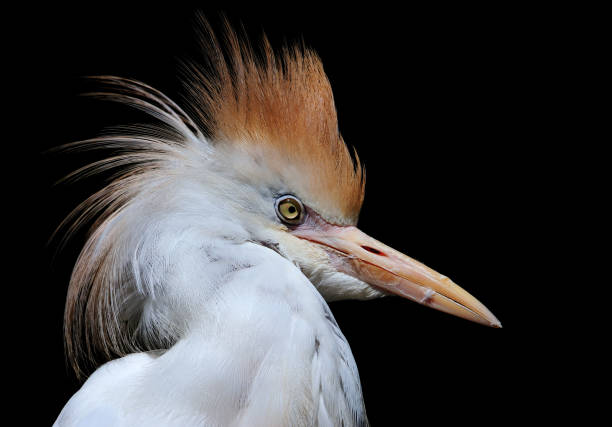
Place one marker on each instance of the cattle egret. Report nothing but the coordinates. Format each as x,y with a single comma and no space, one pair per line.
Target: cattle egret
214,249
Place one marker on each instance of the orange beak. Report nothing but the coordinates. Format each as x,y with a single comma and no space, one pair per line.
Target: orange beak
384,268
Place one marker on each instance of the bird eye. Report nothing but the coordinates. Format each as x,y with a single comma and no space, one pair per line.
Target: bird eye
290,210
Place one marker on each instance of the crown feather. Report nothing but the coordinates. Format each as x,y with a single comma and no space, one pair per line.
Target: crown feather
280,104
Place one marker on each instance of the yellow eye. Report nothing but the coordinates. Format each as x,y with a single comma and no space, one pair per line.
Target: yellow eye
289,209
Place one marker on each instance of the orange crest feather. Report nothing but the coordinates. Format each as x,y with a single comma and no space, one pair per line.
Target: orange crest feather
281,104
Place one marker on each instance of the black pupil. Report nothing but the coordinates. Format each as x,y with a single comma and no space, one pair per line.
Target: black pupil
292,209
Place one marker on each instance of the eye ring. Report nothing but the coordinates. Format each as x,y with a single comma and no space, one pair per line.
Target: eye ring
290,210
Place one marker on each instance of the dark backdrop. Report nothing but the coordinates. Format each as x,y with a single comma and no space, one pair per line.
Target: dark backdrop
439,104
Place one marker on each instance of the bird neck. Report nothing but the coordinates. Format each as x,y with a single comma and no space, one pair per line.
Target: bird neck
262,342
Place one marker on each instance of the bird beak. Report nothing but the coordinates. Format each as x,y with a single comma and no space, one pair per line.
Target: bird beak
381,266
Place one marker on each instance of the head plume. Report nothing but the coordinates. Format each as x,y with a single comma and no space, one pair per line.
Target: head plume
278,105
274,107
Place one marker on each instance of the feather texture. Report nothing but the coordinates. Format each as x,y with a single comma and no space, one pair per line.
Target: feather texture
263,350
263,122
278,106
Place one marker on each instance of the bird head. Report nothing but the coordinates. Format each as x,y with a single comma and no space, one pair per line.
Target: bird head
339,259
258,158
275,119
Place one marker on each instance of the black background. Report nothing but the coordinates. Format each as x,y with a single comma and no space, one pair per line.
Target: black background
441,106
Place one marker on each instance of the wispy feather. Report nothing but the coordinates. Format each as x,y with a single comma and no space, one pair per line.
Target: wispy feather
272,106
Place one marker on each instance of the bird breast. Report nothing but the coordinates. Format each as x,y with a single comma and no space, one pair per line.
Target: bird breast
262,349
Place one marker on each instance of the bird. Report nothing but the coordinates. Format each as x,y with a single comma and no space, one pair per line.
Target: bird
200,296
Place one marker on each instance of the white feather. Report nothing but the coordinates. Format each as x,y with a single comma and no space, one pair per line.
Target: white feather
260,350
180,260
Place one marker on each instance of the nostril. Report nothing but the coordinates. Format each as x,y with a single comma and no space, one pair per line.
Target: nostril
374,251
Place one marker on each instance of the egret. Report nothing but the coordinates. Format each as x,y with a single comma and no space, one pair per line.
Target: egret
225,229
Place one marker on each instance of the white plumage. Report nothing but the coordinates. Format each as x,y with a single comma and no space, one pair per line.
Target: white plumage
213,294
262,348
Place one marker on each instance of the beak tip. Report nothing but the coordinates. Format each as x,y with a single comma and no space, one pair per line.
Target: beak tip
495,323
